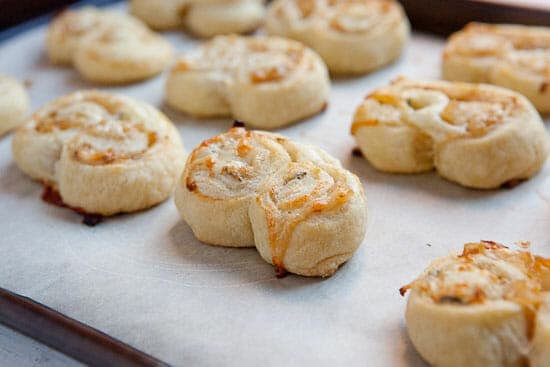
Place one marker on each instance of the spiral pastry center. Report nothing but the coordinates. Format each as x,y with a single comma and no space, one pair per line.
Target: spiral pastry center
257,59
98,131
439,111
296,193
484,272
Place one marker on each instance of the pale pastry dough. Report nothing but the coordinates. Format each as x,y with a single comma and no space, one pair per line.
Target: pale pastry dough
220,179
14,103
512,56
122,54
352,36
302,210
160,14
309,219
103,153
107,47
539,355
67,29
479,136
268,82
478,308
202,18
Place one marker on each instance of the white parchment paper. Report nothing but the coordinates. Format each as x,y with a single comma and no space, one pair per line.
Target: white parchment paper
143,277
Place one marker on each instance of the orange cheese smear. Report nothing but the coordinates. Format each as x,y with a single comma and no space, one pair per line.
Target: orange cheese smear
477,109
54,120
244,146
525,292
283,215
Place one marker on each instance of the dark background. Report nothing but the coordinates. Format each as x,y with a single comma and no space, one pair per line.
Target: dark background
16,11
439,16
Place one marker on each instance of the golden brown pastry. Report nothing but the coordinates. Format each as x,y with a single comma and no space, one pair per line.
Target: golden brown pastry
304,212
202,18
478,308
479,136
352,36
107,47
512,56
268,82
103,153
14,103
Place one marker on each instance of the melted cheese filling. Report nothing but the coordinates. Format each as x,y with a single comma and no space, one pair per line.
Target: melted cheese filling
485,272
343,16
297,192
99,131
439,112
522,48
258,60
234,164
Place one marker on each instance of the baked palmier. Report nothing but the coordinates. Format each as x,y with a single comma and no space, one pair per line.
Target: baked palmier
479,136
512,56
302,210
268,82
107,47
478,308
352,36
202,18
103,153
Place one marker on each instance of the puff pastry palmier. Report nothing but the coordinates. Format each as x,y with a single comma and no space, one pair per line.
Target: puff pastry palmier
202,18
268,82
477,308
67,29
14,103
122,54
103,153
294,202
512,56
107,47
352,36
479,136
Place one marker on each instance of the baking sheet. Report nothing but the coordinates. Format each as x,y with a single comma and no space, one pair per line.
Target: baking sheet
144,279
21,351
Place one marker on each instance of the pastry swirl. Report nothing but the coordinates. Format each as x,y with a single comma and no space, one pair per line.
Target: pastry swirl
304,212
202,18
107,47
352,36
14,103
266,81
484,301
104,153
309,219
511,56
476,135
220,179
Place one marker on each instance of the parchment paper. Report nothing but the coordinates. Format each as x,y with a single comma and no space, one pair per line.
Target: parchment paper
143,277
